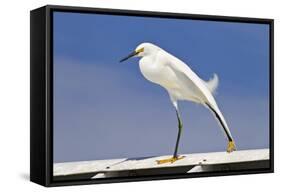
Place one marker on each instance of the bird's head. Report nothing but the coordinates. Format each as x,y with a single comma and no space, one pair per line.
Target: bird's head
142,50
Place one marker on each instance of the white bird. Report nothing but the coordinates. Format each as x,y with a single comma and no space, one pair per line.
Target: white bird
181,83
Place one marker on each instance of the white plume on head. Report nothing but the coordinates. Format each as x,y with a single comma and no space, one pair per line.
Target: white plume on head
213,83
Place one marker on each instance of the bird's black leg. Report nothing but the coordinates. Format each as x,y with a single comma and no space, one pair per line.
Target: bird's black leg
180,125
175,157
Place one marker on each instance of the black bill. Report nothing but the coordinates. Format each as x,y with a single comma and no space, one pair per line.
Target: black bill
129,56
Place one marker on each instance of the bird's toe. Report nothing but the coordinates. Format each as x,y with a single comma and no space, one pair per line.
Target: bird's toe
169,160
231,147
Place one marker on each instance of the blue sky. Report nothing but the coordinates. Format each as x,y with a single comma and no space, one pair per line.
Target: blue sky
104,109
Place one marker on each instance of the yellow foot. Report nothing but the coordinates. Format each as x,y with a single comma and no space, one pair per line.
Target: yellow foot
231,146
169,160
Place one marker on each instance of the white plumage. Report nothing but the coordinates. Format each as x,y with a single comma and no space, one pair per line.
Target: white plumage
164,69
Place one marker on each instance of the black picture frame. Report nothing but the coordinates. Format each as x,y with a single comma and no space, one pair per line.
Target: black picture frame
41,93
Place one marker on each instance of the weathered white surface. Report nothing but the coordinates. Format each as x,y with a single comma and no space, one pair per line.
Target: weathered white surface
79,167
62,169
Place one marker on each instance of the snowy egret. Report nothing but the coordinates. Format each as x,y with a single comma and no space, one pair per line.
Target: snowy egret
181,83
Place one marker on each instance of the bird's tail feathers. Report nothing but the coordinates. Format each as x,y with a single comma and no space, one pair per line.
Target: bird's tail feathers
213,83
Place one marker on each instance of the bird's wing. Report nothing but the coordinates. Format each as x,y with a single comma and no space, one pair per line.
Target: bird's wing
205,96
185,74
